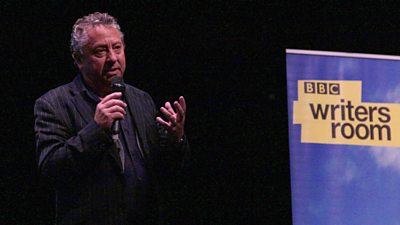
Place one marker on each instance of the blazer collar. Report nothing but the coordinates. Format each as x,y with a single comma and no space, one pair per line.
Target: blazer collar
82,100
77,85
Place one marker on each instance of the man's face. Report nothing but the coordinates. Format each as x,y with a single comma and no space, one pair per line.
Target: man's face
102,58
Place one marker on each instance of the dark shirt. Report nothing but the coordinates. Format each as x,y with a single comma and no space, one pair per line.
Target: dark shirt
137,190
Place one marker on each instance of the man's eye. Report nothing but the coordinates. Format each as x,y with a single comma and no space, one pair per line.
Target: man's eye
117,48
100,52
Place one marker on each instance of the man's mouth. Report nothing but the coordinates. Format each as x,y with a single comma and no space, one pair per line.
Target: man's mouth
112,72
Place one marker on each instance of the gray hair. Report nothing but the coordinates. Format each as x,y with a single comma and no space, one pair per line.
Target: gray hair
79,31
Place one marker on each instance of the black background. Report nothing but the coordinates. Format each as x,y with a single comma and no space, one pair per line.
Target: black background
226,57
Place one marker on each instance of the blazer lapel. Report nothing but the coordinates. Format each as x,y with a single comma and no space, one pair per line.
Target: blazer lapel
138,120
83,107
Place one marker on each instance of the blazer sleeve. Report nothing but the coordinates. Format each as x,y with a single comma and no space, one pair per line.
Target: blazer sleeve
62,152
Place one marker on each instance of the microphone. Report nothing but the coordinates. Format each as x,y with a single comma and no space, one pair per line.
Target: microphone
117,85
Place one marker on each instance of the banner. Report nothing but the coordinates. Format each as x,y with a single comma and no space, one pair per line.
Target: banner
344,131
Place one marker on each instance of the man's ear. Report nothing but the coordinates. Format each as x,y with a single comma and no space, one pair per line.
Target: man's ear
77,57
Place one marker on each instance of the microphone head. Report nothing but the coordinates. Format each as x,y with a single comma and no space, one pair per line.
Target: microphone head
117,84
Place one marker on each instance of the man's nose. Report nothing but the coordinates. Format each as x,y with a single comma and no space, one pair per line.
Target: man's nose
112,56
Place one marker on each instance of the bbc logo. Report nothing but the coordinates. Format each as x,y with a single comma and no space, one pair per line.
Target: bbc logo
325,88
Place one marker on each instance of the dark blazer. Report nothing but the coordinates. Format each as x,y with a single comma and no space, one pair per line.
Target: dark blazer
79,158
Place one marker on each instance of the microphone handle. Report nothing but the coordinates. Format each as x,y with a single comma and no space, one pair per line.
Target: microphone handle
115,127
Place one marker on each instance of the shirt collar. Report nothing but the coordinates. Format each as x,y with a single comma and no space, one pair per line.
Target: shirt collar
88,91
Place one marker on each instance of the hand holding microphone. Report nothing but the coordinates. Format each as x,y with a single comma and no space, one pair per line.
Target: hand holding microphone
111,109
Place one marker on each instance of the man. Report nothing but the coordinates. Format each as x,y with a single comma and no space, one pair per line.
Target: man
103,177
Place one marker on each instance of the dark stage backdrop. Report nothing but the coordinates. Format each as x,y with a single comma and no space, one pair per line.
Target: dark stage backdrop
226,57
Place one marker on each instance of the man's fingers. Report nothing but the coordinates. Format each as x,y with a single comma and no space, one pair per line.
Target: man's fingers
117,115
114,102
181,112
182,102
167,113
111,100
169,108
177,112
162,122
115,95
116,108
110,108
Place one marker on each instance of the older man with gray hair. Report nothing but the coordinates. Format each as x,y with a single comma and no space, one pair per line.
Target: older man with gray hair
99,141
